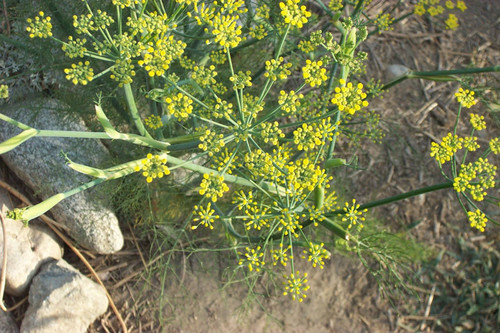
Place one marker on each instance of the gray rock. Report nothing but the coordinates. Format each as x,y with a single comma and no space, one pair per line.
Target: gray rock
40,164
27,249
62,300
7,323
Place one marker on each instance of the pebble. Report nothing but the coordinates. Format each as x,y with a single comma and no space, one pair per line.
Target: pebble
62,300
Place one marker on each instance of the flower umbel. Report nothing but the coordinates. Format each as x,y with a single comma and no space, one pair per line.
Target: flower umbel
4,91
477,220
153,166
213,186
153,122
253,259
80,73
465,97
477,122
313,73
349,98
296,286
317,254
293,14
204,216
353,215
39,27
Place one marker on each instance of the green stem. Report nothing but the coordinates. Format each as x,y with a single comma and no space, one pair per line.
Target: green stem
398,197
129,96
430,74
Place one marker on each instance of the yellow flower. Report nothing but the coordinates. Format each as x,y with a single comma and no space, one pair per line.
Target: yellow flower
313,73
477,122
80,73
39,27
477,220
465,97
153,166
451,22
349,98
461,5
213,186
293,14
205,216
296,286
4,91
253,259
153,122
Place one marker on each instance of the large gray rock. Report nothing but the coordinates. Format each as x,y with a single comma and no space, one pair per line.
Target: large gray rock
7,323
27,249
62,300
40,164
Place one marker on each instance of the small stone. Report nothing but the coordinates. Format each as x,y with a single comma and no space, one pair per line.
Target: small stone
62,300
27,249
7,323
40,164
395,71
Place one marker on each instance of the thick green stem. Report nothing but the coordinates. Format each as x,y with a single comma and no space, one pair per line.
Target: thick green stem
129,96
433,75
398,197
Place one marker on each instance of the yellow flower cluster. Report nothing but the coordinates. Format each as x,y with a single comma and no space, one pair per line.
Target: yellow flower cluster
313,73
443,152
435,8
122,72
349,98
289,101
293,14
317,254
309,137
477,122
153,166
253,259
4,91
296,286
271,133
74,47
383,22
204,76
241,80
211,142
465,97
481,172
159,54
180,106
80,73
204,216
39,27
213,186
275,70
153,122
354,215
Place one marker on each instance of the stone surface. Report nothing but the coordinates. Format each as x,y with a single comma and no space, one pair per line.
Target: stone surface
40,164
62,300
7,323
27,249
